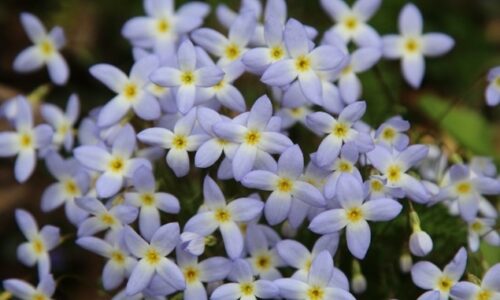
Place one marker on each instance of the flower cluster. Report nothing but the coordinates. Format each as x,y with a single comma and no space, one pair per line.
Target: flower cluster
178,113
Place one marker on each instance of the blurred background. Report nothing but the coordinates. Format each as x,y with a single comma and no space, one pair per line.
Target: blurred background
448,110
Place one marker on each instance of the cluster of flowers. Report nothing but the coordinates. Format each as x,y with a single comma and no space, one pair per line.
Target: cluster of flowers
188,103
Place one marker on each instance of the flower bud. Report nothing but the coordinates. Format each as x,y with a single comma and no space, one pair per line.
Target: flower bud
420,243
287,230
358,283
405,262
193,243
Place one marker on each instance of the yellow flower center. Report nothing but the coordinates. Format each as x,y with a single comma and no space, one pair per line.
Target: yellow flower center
252,137
147,199
247,289
347,70
276,53
47,48
38,296
222,142
308,264
444,284
219,85
179,142
118,257
477,226
71,188
116,165
464,188
108,219
303,63
484,295
152,256
393,173
25,141
188,78
38,246
497,81
340,130
412,45
162,26
351,23
232,51
354,214
388,134
63,129
315,293
119,199
263,262
284,185
191,274
222,215
344,166
130,91
297,112
376,185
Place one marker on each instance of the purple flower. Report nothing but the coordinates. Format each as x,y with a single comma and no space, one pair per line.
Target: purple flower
354,214
492,92
40,242
130,91
488,289
72,182
119,262
178,142
45,50
187,78
62,122
245,287
351,21
149,202
429,277
223,216
152,258
285,184
391,133
103,218
394,166
303,63
254,136
412,45
339,131
482,228
114,165
25,291
263,259
25,141
317,285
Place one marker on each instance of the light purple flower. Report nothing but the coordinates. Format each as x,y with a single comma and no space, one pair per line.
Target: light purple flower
130,91
391,133
103,218
377,188
223,216
62,122
285,184
114,165
25,141
119,262
412,45
187,77
192,243
351,22
25,291
245,287
304,63
317,285
354,214
482,228
394,166
429,277
179,142
40,242
45,50
152,258
492,92
263,259
488,289
420,243
339,131
72,182
149,202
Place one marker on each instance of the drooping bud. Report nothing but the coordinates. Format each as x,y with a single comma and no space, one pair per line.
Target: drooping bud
405,262
287,230
358,281
420,243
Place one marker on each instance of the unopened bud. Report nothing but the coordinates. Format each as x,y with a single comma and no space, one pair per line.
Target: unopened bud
405,262
358,281
420,243
288,231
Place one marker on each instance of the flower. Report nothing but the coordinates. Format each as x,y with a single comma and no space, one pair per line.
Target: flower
482,228
187,78
25,141
420,243
72,182
103,218
62,122
119,262
254,136
263,259
26,291
113,165
339,132
492,92
285,184
149,202
411,45
429,277
130,90
222,216
303,63
488,289
152,258
317,286
351,21
178,142
45,50
40,242
391,133
245,287
354,214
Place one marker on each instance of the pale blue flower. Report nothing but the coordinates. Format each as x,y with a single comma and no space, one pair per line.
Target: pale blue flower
412,45
492,92
353,214
25,291
489,288
40,242
130,91
482,228
429,277
263,259
62,122
25,141
45,50
391,133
